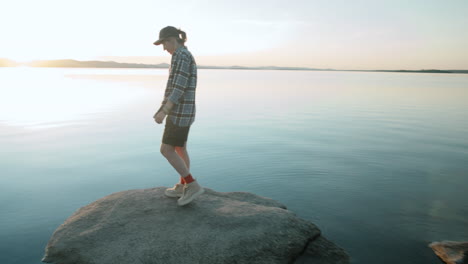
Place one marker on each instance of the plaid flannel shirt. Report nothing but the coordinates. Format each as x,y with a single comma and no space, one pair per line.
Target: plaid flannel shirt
180,88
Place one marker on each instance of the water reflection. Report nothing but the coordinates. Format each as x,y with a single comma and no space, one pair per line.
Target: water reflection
44,98
376,160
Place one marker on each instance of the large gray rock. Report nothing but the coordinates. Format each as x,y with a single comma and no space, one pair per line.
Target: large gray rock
144,226
451,252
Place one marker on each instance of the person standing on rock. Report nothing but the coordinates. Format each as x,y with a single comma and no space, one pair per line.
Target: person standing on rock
178,107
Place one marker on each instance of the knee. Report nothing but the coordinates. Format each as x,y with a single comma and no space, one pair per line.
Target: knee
180,150
166,150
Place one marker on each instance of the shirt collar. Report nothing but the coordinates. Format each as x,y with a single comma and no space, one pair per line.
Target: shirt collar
179,49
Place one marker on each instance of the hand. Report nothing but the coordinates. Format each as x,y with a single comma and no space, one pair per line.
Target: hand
159,117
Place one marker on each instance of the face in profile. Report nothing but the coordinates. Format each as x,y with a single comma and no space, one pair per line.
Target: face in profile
170,45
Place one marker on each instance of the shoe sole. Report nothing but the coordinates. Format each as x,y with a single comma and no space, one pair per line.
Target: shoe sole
172,195
195,195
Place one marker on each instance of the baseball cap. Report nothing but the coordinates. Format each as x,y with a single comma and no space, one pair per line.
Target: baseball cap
165,33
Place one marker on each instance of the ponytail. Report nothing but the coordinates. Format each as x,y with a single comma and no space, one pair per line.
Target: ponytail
184,37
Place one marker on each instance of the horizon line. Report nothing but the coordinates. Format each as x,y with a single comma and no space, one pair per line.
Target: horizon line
27,63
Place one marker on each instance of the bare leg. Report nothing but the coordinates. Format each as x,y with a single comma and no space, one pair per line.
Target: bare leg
174,159
182,152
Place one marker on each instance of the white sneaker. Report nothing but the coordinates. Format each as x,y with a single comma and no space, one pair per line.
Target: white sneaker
191,191
175,191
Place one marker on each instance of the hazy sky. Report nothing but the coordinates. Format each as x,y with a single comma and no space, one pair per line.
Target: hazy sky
359,34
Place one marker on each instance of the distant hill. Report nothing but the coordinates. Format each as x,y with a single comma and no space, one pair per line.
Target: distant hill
423,71
7,63
458,71
112,64
93,64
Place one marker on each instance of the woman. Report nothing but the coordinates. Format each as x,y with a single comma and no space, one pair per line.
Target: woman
178,107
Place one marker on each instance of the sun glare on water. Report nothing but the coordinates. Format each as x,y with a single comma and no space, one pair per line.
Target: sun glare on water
45,97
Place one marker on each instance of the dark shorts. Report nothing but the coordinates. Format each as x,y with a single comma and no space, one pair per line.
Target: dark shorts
175,135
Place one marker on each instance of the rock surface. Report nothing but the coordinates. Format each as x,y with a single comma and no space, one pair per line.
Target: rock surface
451,252
145,227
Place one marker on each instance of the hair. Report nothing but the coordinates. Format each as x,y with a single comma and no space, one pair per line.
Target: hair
184,37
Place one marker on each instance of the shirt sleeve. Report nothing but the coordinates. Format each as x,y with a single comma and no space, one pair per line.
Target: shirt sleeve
181,78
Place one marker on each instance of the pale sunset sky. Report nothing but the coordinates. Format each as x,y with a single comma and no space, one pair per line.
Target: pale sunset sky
360,34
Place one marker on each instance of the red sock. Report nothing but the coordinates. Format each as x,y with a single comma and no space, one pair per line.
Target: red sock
188,179
182,181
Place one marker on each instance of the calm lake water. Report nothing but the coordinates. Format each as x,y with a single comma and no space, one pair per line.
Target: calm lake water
378,161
